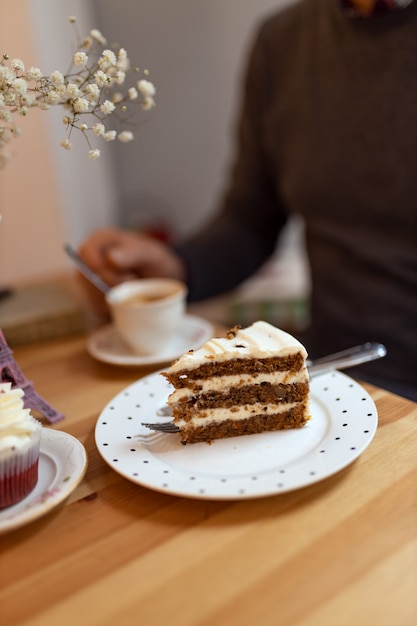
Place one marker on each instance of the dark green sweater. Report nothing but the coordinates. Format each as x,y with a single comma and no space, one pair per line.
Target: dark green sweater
328,130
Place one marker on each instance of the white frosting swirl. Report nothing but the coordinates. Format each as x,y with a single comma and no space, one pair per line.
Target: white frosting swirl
17,425
260,340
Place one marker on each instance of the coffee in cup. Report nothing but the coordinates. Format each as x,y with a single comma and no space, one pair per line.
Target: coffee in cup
147,312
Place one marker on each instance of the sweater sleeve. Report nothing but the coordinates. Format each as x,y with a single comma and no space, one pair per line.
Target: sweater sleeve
243,233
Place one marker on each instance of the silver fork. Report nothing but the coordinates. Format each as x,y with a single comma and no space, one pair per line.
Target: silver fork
369,351
163,427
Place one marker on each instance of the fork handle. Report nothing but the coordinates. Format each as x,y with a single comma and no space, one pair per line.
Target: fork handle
369,351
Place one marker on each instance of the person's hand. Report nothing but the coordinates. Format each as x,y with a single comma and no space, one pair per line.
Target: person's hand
119,255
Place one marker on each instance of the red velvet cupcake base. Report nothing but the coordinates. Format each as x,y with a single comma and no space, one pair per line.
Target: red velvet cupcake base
16,487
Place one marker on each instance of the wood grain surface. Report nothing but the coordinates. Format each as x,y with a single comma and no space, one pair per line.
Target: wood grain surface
340,552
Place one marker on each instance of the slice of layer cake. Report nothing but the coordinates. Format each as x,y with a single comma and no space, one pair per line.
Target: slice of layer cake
252,381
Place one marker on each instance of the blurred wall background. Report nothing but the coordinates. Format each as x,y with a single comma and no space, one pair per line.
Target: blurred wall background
195,51
175,170
31,227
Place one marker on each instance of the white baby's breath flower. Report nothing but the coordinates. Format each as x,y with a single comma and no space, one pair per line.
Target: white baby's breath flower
61,91
28,100
97,36
17,65
52,98
80,59
4,70
19,86
133,93
125,136
121,56
87,91
100,78
99,129
87,43
110,135
148,103
34,73
81,105
123,64
10,98
119,77
92,91
4,136
107,60
4,158
146,88
72,91
57,78
66,144
6,116
107,107
117,97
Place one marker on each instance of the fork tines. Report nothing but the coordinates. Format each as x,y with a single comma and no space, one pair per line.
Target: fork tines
163,427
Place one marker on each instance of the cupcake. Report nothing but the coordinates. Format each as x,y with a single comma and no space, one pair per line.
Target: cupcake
20,435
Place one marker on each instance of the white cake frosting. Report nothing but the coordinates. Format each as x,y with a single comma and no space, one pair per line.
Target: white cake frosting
261,340
17,425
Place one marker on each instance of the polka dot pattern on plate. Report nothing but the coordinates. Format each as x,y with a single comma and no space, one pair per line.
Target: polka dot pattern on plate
344,421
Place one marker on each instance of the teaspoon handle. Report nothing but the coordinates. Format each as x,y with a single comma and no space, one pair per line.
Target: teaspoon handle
85,270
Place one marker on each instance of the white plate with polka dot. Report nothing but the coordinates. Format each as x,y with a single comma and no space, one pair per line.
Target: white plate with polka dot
62,465
343,423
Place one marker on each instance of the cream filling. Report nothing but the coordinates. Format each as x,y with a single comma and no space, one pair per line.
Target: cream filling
210,416
222,383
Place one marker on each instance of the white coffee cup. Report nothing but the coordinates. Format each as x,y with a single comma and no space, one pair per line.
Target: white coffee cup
147,312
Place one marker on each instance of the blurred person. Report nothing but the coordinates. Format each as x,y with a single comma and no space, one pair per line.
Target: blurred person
328,131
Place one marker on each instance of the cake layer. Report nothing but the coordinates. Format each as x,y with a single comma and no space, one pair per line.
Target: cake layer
248,395
295,417
210,369
221,414
221,383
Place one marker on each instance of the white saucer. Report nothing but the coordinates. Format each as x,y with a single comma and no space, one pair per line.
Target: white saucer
106,345
62,465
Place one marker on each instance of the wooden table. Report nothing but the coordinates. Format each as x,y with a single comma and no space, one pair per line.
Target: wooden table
340,552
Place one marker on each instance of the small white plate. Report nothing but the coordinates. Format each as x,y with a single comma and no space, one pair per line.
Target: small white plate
344,421
62,465
106,345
